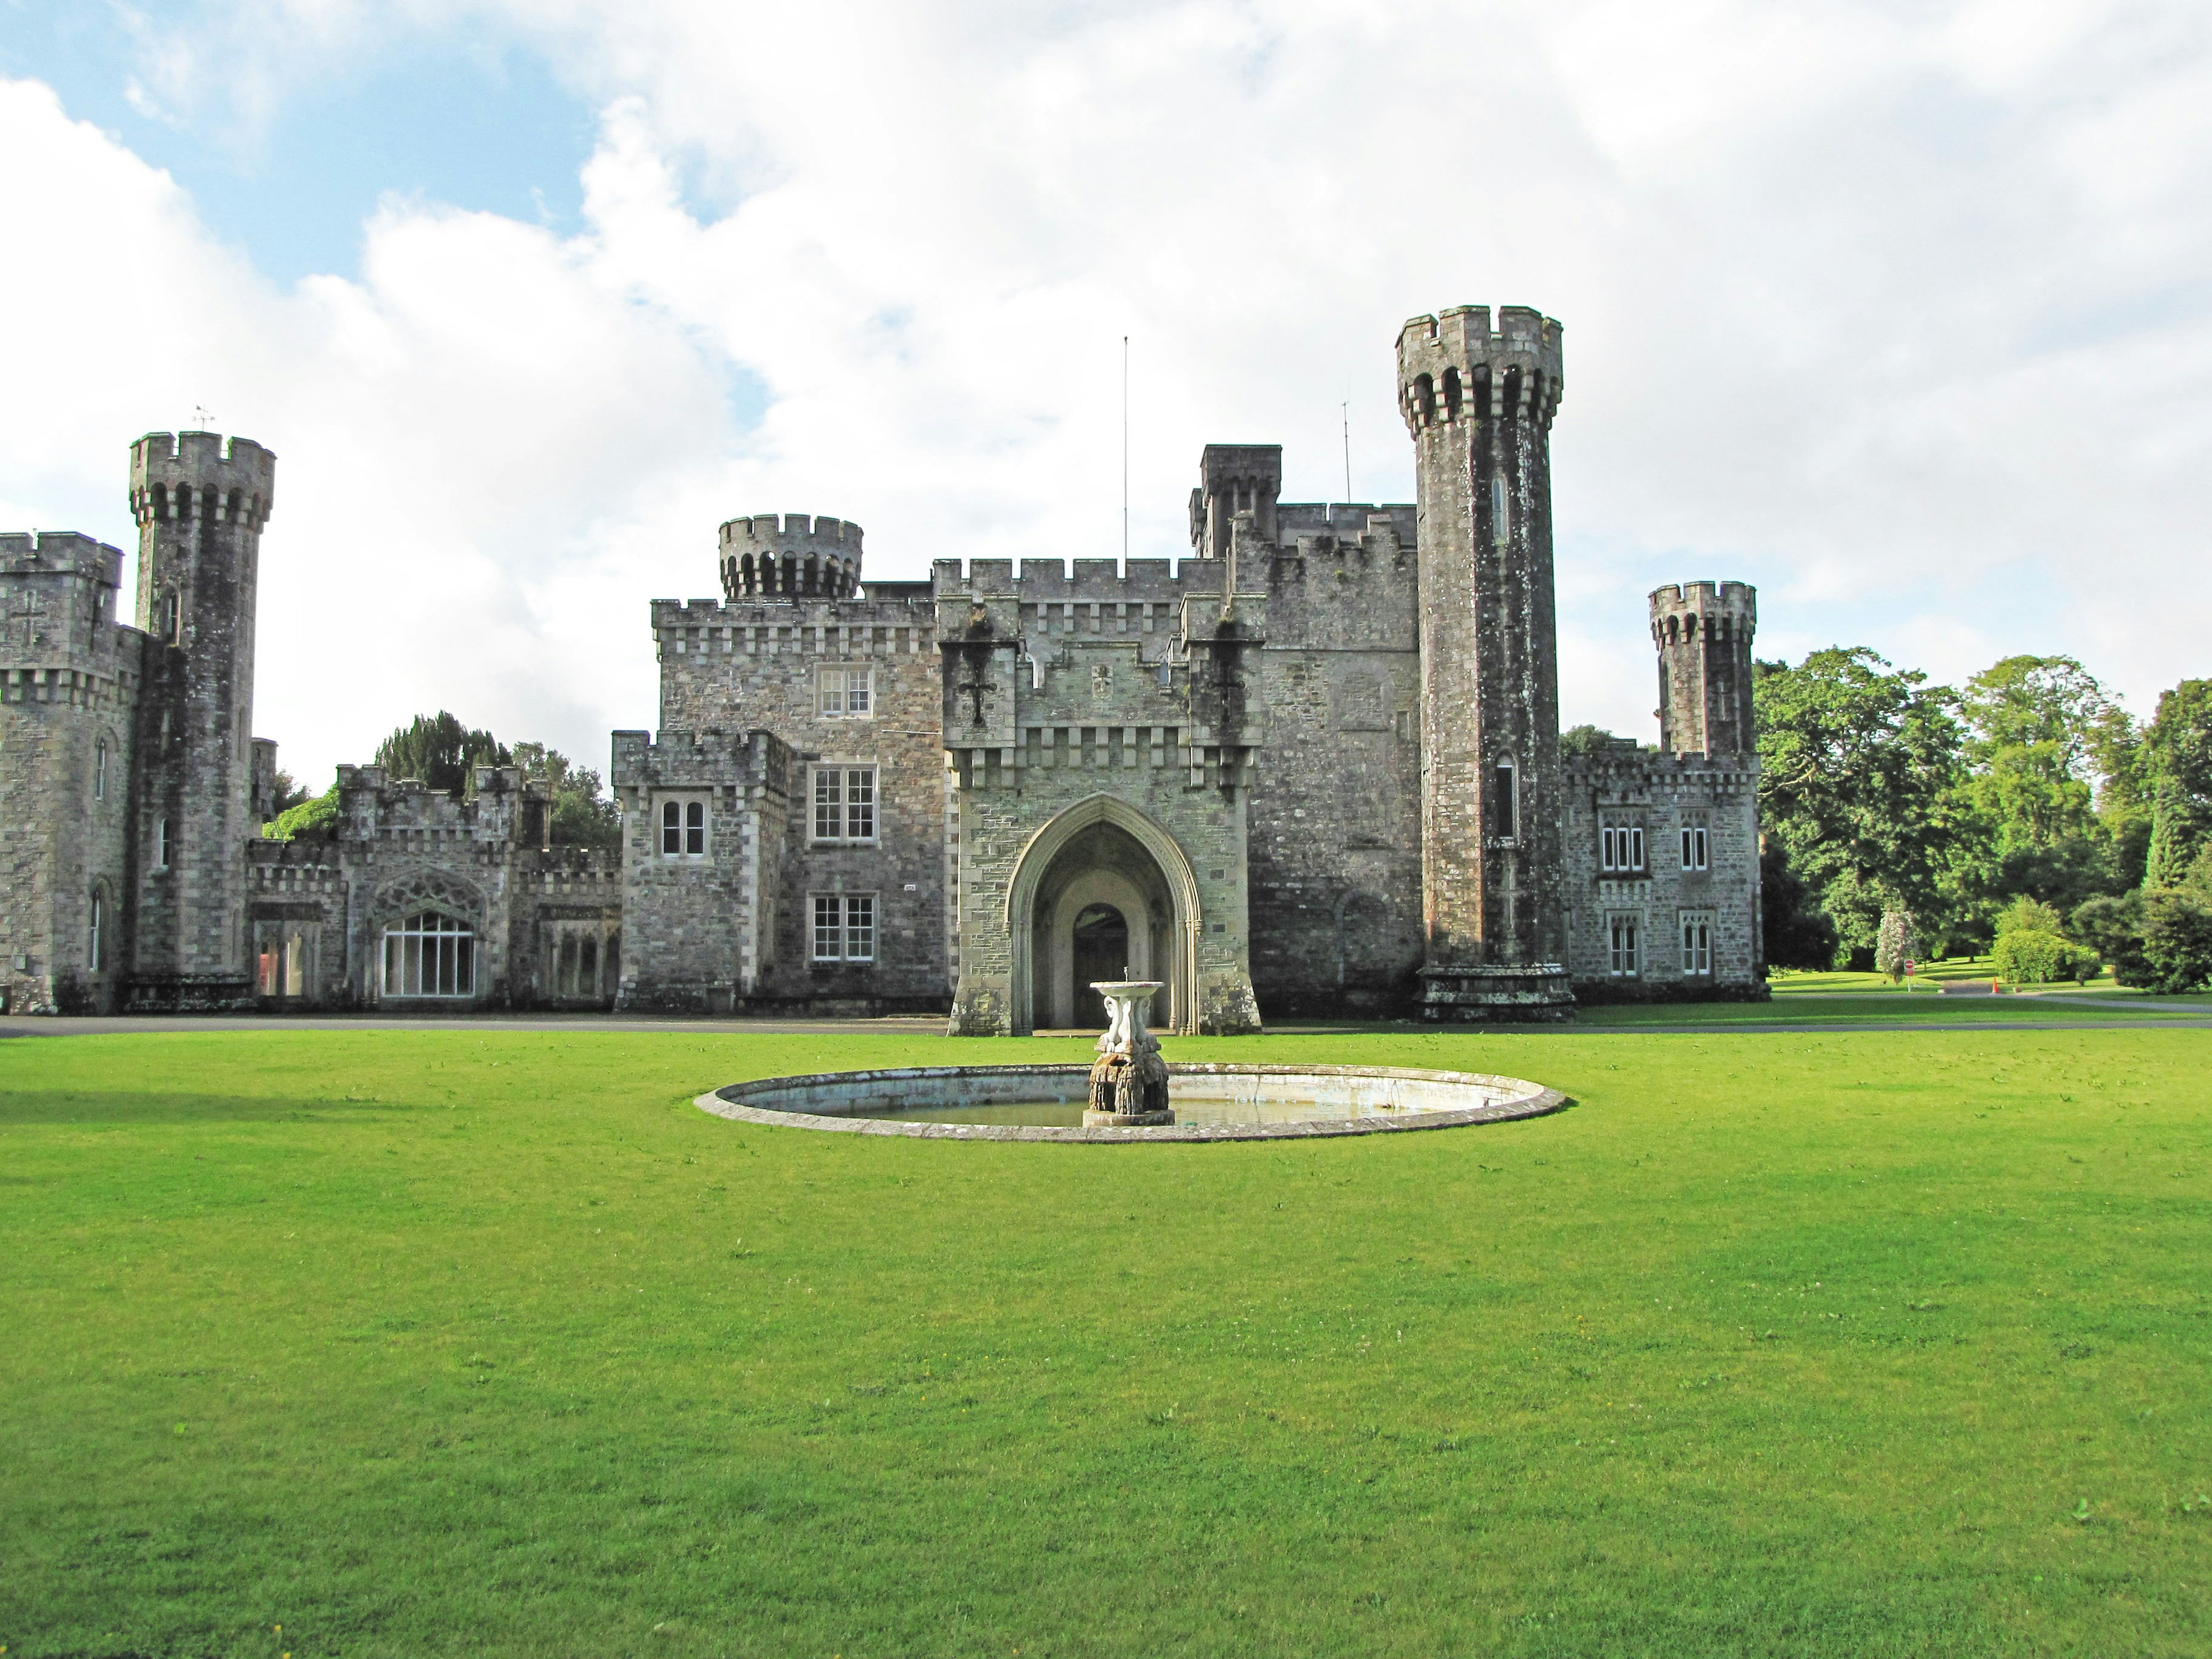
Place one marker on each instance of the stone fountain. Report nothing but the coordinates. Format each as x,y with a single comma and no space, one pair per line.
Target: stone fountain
1128,1081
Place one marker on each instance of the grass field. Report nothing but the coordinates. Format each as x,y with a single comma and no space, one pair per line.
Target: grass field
1853,1343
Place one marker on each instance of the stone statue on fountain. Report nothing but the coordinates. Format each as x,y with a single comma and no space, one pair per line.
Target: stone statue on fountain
1129,1080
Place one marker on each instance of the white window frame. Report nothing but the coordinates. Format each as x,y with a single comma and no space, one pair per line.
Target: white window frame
1697,928
1622,929
99,769
839,814
160,843
1620,849
98,919
1697,846
446,943
845,691
681,830
842,927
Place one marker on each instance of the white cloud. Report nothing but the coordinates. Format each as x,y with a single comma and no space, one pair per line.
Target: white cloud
1885,308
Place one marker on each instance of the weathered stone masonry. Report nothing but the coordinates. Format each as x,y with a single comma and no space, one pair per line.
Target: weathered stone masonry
1311,769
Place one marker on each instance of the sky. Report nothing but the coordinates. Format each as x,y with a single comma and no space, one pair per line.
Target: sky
1901,311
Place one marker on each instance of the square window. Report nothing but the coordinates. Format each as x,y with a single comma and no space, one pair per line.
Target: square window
845,803
845,693
1620,848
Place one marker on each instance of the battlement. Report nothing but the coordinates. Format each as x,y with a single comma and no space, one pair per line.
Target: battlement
765,556
1103,581
1347,522
202,475
1681,611
682,758
1635,768
62,553
1453,365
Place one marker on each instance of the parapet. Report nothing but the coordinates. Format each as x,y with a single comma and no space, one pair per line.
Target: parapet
1680,611
1454,365
202,475
61,553
765,556
1050,581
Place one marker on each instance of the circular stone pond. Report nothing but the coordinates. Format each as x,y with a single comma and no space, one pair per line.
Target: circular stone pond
1210,1102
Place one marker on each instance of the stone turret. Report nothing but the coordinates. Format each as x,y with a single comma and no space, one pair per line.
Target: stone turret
765,557
1704,631
200,502
1480,405
1234,479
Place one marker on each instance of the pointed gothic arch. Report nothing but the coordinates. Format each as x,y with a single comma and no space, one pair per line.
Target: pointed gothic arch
1179,969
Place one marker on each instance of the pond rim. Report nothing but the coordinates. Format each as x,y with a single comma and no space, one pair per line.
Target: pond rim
1527,1099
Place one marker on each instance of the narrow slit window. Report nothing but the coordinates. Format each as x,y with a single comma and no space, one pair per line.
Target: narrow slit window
95,944
99,771
1507,804
162,844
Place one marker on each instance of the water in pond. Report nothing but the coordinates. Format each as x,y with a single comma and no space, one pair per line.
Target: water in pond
1068,1113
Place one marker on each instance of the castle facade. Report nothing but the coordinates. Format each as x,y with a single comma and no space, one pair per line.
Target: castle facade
1313,768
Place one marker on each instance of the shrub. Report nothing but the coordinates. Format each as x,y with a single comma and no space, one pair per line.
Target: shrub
2177,940
2030,955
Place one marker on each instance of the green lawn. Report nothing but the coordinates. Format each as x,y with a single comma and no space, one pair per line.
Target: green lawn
448,1343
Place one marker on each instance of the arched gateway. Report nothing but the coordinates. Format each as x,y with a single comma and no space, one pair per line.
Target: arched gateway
1100,862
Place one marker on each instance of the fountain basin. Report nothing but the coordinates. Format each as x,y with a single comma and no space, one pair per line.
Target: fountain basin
1226,1101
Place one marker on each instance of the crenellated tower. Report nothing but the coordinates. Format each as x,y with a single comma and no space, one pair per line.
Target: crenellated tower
1704,633
201,502
1480,405
796,556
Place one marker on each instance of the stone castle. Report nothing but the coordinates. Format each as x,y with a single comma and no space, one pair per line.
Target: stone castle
1312,769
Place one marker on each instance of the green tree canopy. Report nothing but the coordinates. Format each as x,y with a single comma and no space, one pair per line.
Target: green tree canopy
1860,762
583,816
442,753
2176,761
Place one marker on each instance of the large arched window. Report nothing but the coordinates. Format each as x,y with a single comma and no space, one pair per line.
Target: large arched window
430,955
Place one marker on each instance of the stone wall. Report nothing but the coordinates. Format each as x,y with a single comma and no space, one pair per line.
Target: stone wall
69,681
1661,795
1068,710
765,664
1335,818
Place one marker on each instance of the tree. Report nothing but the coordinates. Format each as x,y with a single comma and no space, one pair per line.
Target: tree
1860,765
1794,930
2177,940
1896,944
442,753
582,816
2176,761
2113,926
1588,740
312,819
2043,743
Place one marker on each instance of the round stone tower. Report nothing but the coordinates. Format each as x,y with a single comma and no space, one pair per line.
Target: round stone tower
200,503
1480,405
1704,632
794,557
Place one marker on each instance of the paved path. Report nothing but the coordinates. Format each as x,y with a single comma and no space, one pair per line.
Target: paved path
2198,1017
